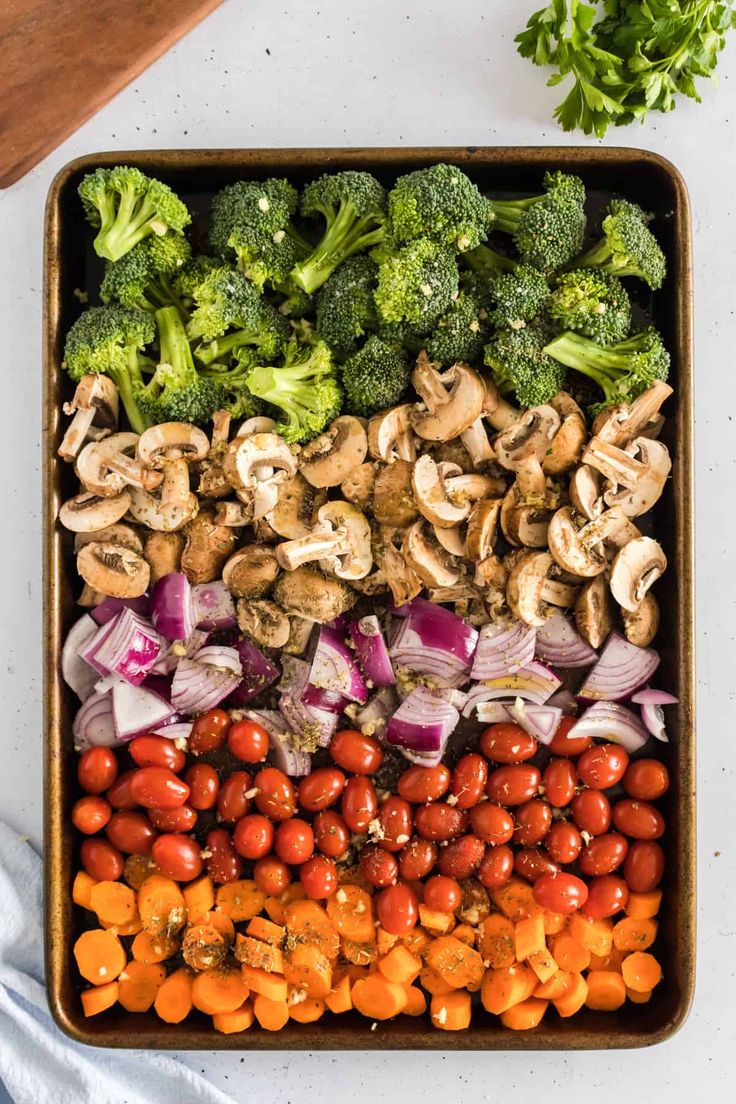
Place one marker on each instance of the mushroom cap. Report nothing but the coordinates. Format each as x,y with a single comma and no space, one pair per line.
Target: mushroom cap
492,573
569,552
207,547
162,552
427,559
330,458
88,513
92,468
246,457
264,622
114,534
251,571
172,441
296,507
113,569
585,492
611,528
233,514
635,568
525,586
522,525
567,444
641,624
358,487
97,392
472,486
480,535
594,611
500,413
452,540
356,561
393,495
431,496
258,424
463,404
404,583
530,435
166,514
310,594
390,434
651,483
620,424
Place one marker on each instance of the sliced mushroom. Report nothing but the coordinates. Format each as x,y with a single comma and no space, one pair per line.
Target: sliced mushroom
356,559
529,436
162,552
257,459
480,535
172,441
620,424
500,413
207,547
251,571
173,507
113,569
641,624
476,441
258,424
530,590
635,568
95,404
472,487
312,595
264,622
390,435
105,467
614,463
594,612
612,528
371,585
426,558
523,525
89,597
88,513
463,591
402,580
393,495
649,486
213,482
112,534
452,452
330,458
263,532
563,538
300,633
358,487
452,540
296,508
567,444
234,515
431,496
492,572
448,413
586,493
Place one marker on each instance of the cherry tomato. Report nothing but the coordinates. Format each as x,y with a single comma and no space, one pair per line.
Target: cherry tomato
294,842
496,867
439,821
209,732
441,893
276,797
461,857
507,743
101,860
157,751
514,784
564,842
359,803
398,909
421,784
604,854
532,863
321,789
158,788
560,892
602,766
131,832
224,864
271,875
606,896
469,779
331,834
638,819
644,866
318,876
378,866
395,819
559,782
646,780
253,836
417,859
90,814
97,769
232,802
178,856
493,824
591,811
533,822
248,741
204,786
119,794
356,752
182,819
564,744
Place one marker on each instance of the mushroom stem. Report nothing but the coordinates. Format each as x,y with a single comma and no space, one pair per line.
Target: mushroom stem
133,471
477,443
232,514
175,484
316,546
612,462
558,594
76,433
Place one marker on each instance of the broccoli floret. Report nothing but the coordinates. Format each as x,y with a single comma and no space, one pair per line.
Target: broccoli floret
303,388
375,377
232,379
622,371
346,308
591,303
521,365
188,278
127,207
176,393
547,229
417,284
519,296
628,247
402,334
506,214
110,340
463,329
268,339
487,262
224,299
353,205
144,277
440,203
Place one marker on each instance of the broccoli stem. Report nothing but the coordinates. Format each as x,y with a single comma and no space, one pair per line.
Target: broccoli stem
344,236
604,366
487,262
134,222
598,256
207,354
508,212
127,383
173,341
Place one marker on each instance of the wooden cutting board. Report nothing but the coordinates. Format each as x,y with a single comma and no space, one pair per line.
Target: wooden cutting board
63,59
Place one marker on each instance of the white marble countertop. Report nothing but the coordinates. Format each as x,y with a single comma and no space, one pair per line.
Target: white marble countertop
378,72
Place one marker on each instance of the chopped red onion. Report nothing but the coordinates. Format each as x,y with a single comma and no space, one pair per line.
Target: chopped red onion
431,759
178,730
93,725
213,605
650,703
564,700
534,683
258,673
285,756
423,722
204,681
172,609
503,648
623,667
127,646
167,662
305,720
137,710
79,675
560,643
321,698
333,668
435,635
612,722
110,607
540,721
370,648
648,696
493,712
373,717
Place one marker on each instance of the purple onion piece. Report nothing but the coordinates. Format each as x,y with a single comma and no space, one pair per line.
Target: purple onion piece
305,720
503,649
539,721
622,669
137,710
258,673
648,696
534,683
370,648
129,648
560,643
285,756
423,722
213,606
612,722
79,675
334,669
172,610
93,725
110,607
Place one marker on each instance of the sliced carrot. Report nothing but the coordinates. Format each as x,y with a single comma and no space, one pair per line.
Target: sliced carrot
240,900
204,947
611,961
307,1011
555,987
526,1015
606,991
276,906
355,972
515,899
643,906
416,941
568,953
529,936
173,1001
133,926
554,922
338,999
436,922
400,965
416,1002
82,889
161,905
114,902
456,963
266,930
377,998
305,967
100,998
631,934
641,971
362,954
268,985
351,913
272,1015
433,983
221,922
384,941
100,956
199,897
137,868
496,943
138,985
503,988
229,1023
221,990
308,922
639,998
543,965
574,999
264,956
450,1012
150,949
465,933
595,935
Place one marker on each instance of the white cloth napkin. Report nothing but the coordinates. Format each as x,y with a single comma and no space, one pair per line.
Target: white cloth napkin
39,1063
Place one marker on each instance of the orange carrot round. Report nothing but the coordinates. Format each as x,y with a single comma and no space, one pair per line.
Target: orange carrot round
526,1015
114,902
308,969
229,1023
138,985
631,934
150,949
606,991
219,990
641,971
100,956
100,998
173,1001
271,1015
377,998
161,905
451,1012
351,911
307,1011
